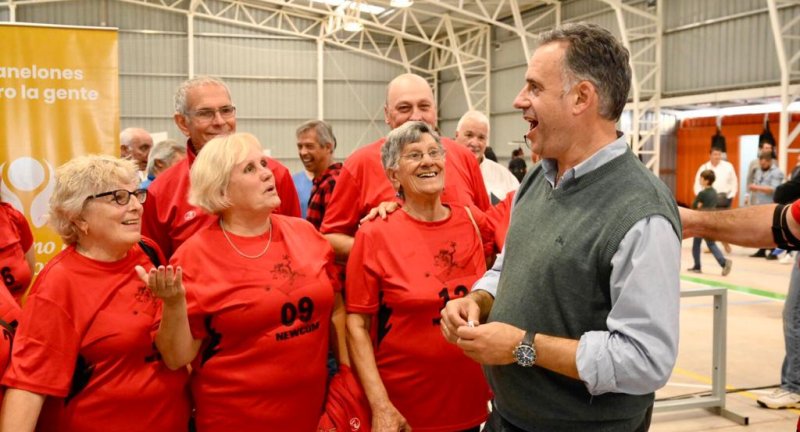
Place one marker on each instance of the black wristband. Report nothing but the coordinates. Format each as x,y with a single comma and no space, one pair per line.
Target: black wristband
781,234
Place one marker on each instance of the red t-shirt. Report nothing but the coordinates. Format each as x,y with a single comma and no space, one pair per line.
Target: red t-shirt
168,217
363,184
402,272
499,216
84,339
15,239
265,325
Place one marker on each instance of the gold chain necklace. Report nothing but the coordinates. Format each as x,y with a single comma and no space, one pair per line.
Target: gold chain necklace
269,242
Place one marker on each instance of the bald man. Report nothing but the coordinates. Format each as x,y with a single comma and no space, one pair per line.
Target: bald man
363,184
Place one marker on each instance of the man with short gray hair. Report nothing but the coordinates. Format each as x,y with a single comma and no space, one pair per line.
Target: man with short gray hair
135,144
203,111
577,321
315,146
162,156
472,132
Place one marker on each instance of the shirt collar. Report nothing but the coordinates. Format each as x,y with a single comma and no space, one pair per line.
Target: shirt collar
600,158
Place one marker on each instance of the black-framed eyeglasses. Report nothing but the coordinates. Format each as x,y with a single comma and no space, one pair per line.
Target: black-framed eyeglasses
208,114
527,143
122,196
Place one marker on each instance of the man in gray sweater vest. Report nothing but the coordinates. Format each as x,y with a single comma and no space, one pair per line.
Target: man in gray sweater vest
577,322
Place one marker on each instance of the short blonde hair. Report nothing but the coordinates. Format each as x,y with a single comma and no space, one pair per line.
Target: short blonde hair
211,170
80,178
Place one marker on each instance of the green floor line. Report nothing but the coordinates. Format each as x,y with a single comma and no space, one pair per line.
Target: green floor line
732,287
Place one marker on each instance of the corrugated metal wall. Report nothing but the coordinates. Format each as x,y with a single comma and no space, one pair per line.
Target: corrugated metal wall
273,79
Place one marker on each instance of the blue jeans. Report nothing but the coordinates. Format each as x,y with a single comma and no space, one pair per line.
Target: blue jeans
712,245
790,372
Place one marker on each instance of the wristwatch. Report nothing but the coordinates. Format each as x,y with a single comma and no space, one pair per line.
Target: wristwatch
525,352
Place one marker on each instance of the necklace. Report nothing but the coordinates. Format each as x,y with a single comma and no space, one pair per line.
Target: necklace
230,242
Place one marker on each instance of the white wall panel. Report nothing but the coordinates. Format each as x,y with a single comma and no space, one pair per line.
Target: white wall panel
229,56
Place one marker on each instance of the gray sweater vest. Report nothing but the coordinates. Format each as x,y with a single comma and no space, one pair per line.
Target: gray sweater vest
555,281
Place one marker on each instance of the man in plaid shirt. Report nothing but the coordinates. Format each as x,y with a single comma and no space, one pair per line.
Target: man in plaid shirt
315,145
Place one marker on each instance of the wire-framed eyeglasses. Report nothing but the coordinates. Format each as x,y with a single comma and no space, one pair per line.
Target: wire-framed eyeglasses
122,196
208,114
417,156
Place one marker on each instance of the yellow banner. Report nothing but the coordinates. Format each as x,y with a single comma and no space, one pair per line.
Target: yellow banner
59,98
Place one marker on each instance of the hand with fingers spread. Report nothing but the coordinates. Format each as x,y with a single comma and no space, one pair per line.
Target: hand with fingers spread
164,282
383,209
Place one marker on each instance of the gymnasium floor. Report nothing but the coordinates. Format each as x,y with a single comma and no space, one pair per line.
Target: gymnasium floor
755,288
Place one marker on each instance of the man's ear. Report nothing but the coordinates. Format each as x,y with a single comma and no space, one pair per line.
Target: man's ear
585,96
182,122
386,114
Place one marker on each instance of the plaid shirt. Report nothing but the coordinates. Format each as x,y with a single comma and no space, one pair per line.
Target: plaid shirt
321,193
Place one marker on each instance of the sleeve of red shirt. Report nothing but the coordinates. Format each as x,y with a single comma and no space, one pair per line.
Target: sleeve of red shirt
486,230
498,217
290,203
24,230
196,314
362,284
152,227
45,349
342,214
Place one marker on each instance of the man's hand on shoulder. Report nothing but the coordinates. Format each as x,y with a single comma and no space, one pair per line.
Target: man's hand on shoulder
383,209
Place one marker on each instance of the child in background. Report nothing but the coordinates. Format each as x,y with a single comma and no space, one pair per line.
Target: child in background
706,200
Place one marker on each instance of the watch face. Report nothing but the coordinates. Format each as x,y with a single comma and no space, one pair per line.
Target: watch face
526,355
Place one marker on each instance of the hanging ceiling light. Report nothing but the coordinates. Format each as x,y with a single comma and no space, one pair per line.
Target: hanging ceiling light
352,26
401,3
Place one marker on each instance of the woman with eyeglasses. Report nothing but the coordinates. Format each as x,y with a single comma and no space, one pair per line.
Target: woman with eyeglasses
83,358
400,274
248,300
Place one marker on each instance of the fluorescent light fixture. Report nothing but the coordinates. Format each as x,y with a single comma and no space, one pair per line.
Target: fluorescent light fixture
366,8
358,5
330,2
737,110
401,3
352,26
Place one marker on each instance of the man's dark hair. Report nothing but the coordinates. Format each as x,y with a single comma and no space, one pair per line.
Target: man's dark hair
708,176
593,54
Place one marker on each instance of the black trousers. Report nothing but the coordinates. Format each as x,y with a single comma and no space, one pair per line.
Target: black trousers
496,423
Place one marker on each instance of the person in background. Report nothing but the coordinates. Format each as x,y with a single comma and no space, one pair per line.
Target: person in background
363,185
517,164
401,271
203,110
135,144
254,318
765,179
315,145
17,256
472,132
707,201
727,184
83,357
162,156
